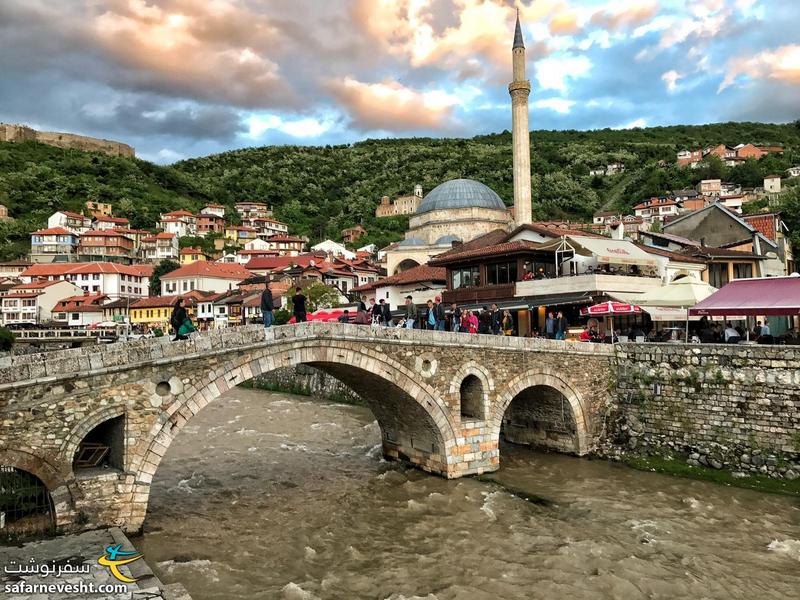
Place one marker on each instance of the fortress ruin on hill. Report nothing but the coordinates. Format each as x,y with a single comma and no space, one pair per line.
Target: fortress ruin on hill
23,133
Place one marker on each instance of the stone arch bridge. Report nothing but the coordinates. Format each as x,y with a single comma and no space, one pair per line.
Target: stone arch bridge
441,400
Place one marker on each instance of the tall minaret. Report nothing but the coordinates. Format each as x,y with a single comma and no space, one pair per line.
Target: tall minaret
520,88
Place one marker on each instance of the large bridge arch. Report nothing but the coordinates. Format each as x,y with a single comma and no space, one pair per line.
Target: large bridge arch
56,482
546,378
416,425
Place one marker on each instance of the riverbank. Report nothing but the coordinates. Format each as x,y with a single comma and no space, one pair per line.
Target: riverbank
67,567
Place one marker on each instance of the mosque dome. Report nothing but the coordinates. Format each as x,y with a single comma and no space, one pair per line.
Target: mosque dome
412,241
447,240
461,193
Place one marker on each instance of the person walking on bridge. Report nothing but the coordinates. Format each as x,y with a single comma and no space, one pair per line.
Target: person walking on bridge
438,312
178,321
386,313
267,306
299,306
411,312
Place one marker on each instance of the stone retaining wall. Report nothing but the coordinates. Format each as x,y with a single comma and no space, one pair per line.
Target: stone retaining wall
303,379
731,407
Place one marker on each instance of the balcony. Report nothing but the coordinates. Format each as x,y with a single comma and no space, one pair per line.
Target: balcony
596,282
485,293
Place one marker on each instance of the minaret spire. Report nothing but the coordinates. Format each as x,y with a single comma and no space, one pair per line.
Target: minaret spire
520,89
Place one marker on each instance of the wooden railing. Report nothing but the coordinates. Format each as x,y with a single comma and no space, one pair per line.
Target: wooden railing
486,293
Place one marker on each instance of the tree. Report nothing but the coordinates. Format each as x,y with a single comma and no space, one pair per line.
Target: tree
318,295
790,214
161,269
6,339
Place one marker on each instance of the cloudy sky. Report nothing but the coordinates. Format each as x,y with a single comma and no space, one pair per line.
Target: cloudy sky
182,78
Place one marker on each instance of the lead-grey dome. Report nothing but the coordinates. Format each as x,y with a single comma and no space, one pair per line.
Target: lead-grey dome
461,193
412,241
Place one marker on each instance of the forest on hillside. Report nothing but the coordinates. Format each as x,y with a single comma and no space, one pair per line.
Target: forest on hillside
321,190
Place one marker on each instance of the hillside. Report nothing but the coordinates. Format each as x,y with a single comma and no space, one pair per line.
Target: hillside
321,190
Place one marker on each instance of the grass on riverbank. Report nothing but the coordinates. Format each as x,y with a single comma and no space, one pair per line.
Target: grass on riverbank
679,468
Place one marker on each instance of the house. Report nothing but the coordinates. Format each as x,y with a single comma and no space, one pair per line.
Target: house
162,246
245,256
733,201
772,227
422,283
105,245
656,209
334,249
111,279
191,255
182,223
210,223
252,210
82,310
54,244
206,276
404,205
74,222
4,213
239,235
99,209
286,245
732,247
117,310
213,209
103,222
32,303
266,227
772,184
710,187
154,312
137,235
689,157
351,234
793,171
602,217
369,249
13,268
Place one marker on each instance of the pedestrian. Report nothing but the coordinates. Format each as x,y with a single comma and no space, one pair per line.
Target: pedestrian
561,326
430,316
496,320
455,318
438,311
473,323
550,326
376,312
731,335
485,321
344,317
267,306
410,313
386,312
299,306
362,304
177,319
508,323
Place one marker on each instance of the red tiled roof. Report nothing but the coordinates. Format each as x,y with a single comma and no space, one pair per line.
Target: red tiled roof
73,214
178,213
53,269
143,269
155,302
35,285
240,228
676,256
104,219
271,263
102,232
52,231
763,223
414,275
210,269
192,251
284,238
494,250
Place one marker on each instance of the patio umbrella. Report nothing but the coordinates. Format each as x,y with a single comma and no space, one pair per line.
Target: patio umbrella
609,309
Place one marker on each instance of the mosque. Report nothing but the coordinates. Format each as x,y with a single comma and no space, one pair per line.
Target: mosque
461,210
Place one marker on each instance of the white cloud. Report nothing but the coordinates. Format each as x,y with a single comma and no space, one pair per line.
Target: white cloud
781,63
559,105
553,72
633,124
301,128
671,79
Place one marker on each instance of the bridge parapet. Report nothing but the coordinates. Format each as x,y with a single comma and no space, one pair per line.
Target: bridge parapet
27,369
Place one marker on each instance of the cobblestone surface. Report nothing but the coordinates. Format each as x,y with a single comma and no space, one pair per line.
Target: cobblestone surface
82,549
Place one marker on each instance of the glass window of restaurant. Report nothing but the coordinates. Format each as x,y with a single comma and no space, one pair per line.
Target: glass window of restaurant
466,277
499,273
718,274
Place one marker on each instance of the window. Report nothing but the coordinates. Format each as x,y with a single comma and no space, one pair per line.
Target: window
500,273
75,317
185,286
466,277
718,274
742,271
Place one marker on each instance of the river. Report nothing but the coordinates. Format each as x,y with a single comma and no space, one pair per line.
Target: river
267,495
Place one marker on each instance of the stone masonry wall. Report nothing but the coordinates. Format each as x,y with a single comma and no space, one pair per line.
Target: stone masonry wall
731,407
308,380
22,133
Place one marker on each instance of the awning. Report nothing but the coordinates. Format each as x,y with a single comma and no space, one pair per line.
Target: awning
769,296
667,313
616,252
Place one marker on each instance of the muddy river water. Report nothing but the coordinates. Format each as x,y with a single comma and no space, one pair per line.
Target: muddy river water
267,495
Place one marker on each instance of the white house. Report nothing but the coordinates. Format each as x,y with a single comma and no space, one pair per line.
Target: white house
74,222
772,184
179,222
213,209
205,276
334,248
162,246
793,171
112,279
80,311
32,303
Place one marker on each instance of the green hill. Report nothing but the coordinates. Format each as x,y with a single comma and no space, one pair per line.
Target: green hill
321,190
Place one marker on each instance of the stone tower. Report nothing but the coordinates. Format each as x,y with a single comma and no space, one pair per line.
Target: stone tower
520,89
